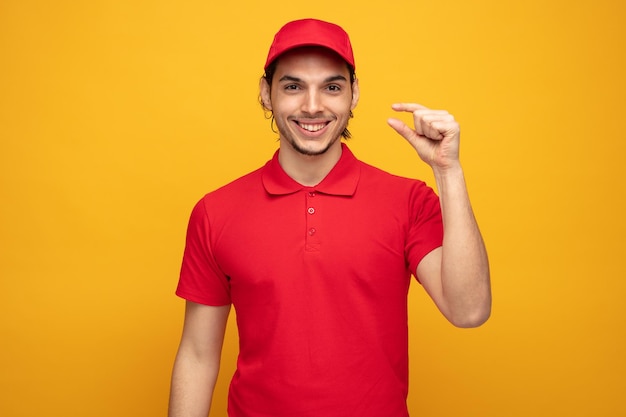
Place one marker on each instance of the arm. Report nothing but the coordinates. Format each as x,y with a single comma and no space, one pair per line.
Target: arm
198,360
456,276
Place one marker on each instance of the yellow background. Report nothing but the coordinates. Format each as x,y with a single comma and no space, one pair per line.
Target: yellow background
117,116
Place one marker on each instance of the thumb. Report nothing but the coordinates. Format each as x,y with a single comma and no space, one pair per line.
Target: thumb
401,127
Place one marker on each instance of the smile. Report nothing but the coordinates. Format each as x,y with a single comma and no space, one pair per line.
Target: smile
312,127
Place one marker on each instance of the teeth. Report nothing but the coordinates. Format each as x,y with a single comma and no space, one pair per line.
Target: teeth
312,128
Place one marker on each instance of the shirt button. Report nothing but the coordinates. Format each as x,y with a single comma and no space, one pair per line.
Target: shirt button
311,193
311,210
311,231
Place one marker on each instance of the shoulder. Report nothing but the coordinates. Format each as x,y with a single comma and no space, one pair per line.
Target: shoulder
233,193
248,181
372,175
396,192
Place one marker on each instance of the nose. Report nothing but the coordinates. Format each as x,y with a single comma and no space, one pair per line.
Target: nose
312,103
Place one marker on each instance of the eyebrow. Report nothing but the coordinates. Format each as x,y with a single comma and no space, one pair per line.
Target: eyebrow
327,80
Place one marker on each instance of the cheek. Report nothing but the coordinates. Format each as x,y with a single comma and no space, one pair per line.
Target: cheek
345,107
284,104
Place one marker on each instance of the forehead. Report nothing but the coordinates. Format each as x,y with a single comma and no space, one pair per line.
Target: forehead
311,60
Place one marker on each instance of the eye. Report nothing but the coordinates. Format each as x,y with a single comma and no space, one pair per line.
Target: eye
291,87
334,88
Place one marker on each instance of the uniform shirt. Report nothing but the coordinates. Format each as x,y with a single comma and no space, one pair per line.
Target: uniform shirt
319,279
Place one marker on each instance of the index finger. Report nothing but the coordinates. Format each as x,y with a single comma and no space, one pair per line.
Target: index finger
409,107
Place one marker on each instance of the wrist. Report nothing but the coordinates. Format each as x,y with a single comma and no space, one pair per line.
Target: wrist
452,171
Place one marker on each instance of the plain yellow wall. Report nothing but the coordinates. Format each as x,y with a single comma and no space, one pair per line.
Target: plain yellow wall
116,116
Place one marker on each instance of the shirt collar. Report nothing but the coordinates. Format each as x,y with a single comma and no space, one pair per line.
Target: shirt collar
341,180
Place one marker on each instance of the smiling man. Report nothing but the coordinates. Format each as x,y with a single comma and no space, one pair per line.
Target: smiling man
316,249
311,95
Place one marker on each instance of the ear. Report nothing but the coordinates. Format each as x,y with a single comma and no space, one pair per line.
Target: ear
264,89
355,94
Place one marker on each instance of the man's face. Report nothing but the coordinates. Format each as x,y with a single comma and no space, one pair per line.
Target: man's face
311,98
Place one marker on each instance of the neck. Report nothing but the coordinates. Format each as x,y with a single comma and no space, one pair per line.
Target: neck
308,170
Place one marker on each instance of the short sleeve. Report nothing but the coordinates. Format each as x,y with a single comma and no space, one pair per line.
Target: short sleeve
426,229
201,280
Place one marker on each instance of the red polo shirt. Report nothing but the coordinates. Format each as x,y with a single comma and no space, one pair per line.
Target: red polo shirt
319,278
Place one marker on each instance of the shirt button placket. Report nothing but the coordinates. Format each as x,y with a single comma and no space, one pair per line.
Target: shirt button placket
311,229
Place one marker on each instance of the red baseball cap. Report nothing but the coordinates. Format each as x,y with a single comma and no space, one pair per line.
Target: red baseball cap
311,32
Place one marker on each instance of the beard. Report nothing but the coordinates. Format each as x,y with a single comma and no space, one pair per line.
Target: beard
310,152
289,136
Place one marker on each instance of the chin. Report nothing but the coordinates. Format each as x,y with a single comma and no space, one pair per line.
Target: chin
312,151
316,148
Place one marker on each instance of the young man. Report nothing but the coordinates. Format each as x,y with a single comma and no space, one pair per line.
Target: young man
316,249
